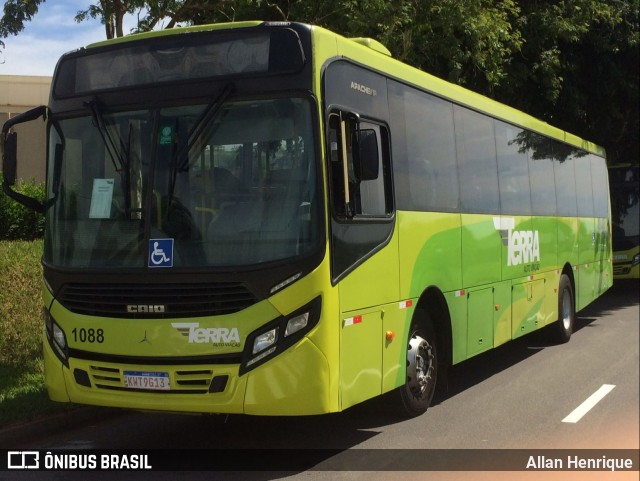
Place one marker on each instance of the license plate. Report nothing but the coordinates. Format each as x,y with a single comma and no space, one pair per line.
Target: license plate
157,381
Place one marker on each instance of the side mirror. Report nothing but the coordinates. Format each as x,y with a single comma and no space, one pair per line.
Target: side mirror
368,155
9,158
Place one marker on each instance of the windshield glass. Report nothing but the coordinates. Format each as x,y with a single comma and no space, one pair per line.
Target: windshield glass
188,186
625,206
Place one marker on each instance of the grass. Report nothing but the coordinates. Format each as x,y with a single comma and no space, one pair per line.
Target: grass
23,395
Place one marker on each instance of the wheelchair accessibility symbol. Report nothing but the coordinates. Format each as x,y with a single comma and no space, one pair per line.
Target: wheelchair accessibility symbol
160,252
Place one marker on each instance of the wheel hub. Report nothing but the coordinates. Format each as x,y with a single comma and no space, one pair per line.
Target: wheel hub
566,309
419,366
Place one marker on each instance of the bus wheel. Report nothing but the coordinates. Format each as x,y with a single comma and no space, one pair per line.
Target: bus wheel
422,371
563,327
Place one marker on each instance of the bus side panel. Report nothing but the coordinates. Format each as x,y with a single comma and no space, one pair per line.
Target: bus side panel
430,255
502,313
430,246
360,366
367,295
549,267
480,309
481,251
528,306
547,229
568,242
586,256
396,321
604,274
457,305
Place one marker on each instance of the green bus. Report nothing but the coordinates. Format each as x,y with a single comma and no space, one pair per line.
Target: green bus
625,215
272,219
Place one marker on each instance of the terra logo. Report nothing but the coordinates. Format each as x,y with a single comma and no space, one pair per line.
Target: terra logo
523,246
218,336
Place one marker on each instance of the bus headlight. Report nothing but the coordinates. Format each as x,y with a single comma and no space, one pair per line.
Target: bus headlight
268,341
296,323
59,337
265,340
636,260
56,337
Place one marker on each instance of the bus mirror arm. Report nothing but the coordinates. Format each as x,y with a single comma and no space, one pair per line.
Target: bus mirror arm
10,157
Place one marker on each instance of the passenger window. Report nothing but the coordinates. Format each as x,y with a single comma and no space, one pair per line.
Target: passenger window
543,189
584,194
477,169
565,186
424,151
600,188
513,171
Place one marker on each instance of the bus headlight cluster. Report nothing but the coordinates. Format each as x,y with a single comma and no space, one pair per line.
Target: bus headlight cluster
278,335
56,337
296,324
265,340
636,260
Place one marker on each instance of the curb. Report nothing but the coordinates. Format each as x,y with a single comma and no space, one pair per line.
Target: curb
15,435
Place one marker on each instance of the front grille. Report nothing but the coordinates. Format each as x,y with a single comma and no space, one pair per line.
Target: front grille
619,269
156,301
186,382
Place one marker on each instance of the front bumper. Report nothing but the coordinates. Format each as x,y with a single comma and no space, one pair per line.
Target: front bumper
296,382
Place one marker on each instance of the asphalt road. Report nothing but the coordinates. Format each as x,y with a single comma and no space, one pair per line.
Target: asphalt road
514,397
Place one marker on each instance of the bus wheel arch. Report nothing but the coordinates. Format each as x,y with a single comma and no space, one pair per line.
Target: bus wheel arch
433,303
428,353
568,271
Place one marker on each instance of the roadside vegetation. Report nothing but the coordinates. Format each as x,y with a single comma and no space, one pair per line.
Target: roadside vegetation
22,392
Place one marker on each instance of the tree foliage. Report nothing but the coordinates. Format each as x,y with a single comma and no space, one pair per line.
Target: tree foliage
573,63
578,69
15,14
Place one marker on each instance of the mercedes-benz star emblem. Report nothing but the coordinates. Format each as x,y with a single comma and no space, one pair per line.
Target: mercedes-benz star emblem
145,338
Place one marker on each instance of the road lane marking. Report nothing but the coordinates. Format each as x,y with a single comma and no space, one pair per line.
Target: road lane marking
586,406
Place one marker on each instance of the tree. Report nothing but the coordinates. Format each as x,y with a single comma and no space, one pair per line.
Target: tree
111,13
16,12
578,69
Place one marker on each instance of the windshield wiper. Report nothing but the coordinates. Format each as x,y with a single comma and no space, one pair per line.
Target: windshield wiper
199,127
119,151
180,157
118,156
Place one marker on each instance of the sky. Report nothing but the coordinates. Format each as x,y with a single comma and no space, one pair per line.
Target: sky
52,32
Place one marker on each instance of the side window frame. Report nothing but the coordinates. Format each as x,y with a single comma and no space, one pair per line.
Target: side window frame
356,235
346,179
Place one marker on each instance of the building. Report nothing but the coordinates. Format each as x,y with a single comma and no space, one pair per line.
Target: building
18,94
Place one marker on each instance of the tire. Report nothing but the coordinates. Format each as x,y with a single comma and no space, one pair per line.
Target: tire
563,328
415,396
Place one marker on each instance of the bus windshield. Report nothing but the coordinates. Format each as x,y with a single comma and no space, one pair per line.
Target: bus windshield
207,185
625,206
